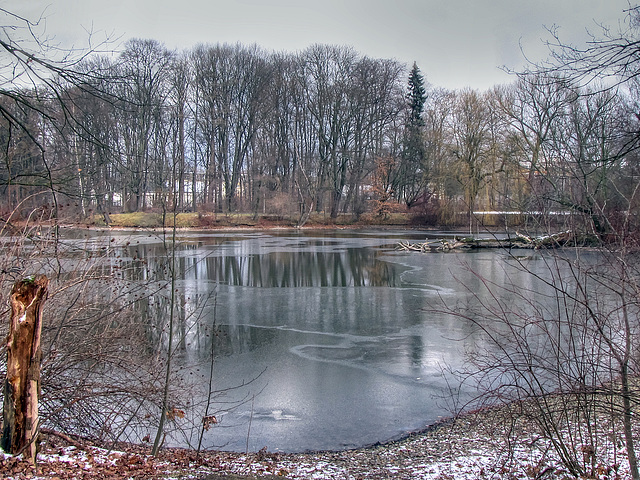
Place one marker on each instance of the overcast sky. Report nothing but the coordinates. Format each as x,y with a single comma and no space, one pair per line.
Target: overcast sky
456,43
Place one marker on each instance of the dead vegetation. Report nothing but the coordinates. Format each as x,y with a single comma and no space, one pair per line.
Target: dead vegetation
562,239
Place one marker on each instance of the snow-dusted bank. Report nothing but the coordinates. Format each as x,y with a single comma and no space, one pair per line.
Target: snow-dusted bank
476,445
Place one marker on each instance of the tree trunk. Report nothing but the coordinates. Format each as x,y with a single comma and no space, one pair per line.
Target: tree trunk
22,385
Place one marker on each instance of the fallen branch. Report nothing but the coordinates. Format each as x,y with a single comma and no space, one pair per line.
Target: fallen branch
64,437
562,239
461,244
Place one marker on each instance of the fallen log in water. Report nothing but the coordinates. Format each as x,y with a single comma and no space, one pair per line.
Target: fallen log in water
562,239
461,244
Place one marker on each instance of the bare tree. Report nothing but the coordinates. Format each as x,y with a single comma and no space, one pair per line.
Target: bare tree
470,131
610,55
94,380
326,86
144,69
566,358
375,94
35,75
232,81
563,359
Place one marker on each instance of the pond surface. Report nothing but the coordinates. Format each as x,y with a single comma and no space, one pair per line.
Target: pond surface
325,340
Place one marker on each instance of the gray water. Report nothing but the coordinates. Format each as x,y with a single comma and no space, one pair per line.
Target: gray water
323,340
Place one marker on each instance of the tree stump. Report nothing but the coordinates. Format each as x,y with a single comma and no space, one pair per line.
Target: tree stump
22,385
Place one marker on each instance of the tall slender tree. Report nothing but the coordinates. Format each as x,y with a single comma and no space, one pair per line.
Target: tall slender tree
412,175
416,97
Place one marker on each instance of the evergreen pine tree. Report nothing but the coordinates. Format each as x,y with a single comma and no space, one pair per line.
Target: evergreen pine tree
417,96
412,177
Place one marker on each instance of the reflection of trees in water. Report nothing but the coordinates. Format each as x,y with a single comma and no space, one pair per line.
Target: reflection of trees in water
234,339
349,268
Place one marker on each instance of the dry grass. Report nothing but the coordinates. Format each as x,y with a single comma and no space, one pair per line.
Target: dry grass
213,220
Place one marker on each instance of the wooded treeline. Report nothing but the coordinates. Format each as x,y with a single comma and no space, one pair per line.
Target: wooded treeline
233,128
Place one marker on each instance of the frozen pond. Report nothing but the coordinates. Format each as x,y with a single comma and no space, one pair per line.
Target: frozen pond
332,334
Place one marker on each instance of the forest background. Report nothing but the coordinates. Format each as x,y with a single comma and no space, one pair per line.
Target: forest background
236,129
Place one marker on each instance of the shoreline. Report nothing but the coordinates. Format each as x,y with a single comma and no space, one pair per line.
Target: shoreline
470,446
491,442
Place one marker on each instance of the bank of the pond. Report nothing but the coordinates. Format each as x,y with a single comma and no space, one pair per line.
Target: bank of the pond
231,220
473,446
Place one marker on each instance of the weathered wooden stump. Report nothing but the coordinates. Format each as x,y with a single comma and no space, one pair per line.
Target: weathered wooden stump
22,385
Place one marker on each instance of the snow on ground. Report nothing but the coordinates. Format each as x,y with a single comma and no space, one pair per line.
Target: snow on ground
472,447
